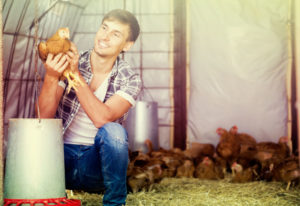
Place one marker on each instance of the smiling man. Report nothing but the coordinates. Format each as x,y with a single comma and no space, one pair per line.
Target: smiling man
96,145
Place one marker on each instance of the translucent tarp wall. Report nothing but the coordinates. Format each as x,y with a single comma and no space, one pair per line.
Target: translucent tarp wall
238,64
150,55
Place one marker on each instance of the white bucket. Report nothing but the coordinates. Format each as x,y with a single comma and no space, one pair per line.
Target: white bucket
142,124
35,159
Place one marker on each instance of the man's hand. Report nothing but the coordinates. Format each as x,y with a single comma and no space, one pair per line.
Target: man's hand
73,58
56,65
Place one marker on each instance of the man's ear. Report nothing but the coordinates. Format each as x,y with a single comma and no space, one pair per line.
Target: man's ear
127,46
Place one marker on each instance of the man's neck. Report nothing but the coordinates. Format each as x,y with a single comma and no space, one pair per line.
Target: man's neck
101,65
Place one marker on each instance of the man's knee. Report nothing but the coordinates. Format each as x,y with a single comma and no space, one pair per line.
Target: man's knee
112,132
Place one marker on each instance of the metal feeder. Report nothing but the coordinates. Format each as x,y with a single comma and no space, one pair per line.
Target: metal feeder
142,124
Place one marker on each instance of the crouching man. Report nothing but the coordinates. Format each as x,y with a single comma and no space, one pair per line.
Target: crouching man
95,143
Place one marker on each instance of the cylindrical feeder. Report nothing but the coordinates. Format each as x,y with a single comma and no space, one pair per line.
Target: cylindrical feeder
35,159
142,124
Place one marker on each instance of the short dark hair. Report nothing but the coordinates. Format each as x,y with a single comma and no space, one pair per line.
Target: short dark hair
125,17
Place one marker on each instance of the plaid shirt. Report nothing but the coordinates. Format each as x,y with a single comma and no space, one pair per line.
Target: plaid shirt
122,81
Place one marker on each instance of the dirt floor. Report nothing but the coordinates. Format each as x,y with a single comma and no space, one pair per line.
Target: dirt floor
195,192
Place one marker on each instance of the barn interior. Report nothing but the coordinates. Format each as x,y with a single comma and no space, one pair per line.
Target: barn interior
208,69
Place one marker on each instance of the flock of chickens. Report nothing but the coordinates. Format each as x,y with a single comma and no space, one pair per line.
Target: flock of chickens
236,154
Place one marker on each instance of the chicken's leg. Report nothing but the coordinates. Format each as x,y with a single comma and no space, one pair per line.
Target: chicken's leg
73,80
288,186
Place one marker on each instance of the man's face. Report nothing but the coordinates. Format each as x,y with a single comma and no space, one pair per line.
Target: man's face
111,38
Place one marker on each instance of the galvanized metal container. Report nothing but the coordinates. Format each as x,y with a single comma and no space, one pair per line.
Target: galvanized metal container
35,159
142,124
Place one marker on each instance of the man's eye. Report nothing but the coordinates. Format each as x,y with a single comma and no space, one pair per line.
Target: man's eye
117,35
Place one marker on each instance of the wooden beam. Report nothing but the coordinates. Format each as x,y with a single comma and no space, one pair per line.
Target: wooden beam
293,82
296,68
1,108
180,114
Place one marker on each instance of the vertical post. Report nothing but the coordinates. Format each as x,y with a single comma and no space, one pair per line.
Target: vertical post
1,108
294,112
289,86
296,67
180,114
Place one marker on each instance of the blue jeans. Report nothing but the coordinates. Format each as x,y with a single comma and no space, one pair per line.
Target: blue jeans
102,166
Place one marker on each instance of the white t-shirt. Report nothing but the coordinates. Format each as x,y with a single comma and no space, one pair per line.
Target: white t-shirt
82,130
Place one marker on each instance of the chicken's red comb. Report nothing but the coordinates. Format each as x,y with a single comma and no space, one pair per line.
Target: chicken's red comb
220,130
284,139
233,129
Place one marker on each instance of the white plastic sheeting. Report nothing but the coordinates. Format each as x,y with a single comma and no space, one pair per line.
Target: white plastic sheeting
238,63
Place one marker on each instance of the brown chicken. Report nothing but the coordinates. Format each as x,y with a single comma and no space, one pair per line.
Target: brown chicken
143,171
141,160
241,175
246,141
157,167
271,152
243,138
280,149
172,162
288,171
199,150
247,158
207,169
137,160
228,147
133,154
155,153
220,163
140,179
186,170
60,43
223,133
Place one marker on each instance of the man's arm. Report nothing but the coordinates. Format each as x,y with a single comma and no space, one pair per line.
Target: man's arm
51,92
100,113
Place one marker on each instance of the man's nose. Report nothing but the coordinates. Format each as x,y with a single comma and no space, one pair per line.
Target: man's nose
106,35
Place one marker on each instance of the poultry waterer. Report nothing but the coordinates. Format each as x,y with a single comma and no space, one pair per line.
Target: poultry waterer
34,172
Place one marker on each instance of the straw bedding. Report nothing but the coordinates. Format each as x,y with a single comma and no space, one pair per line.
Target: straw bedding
196,192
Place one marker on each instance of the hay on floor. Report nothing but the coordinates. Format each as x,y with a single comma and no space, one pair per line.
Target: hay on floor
195,192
